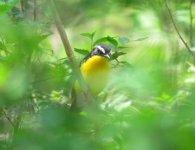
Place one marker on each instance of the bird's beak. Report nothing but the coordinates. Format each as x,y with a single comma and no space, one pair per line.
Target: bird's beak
107,56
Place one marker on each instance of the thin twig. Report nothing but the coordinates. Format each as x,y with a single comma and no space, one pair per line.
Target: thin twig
191,24
7,117
174,24
63,35
22,3
69,53
35,10
117,63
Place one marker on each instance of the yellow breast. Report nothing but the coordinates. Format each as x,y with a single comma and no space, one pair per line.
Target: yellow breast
95,72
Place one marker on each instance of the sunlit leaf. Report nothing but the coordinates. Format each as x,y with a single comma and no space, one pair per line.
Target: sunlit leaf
112,41
81,51
108,39
100,40
89,35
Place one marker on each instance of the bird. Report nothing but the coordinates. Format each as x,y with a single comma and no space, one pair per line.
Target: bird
95,70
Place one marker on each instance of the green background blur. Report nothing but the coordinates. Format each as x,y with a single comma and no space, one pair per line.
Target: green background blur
148,103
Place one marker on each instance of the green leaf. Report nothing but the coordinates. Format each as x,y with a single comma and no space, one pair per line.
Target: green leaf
120,53
141,39
112,41
2,59
116,55
109,39
81,51
42,37
125,63
123,40
6,6
100,40
89,35
122,47
2,46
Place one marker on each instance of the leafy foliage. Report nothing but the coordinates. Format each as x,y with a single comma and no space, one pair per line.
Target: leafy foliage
7,5
148,103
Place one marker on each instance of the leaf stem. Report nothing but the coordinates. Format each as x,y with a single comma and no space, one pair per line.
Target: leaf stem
177,30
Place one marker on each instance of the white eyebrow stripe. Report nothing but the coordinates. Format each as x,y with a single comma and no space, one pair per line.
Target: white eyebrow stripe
102,49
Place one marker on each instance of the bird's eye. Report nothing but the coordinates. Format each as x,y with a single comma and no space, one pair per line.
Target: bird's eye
100,51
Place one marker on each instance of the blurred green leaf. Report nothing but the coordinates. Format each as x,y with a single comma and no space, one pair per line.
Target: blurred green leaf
100,40
2,46
147,103
109,39
121,47
81,51
3,75
89,35
127,64
116,55
141,39
112,41
123,40
7,5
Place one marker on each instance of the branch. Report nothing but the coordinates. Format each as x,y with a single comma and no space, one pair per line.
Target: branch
22,3
191,24
7,117
35,10
69,52
176,29
63,35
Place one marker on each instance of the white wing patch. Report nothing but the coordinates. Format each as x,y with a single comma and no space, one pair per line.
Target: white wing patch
101,49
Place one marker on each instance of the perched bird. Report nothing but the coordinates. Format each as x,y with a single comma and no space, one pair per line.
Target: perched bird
95,68
95,71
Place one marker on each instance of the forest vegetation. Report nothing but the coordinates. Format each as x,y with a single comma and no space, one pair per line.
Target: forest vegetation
148,102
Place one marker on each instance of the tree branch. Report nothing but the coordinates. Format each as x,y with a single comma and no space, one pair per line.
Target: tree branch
22,3
191,24
63,35
7,117
176,29
35,10
69,53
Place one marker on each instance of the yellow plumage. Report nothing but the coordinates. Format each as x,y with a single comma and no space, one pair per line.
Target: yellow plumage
95,72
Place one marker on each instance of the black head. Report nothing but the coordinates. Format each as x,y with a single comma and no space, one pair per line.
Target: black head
101,50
